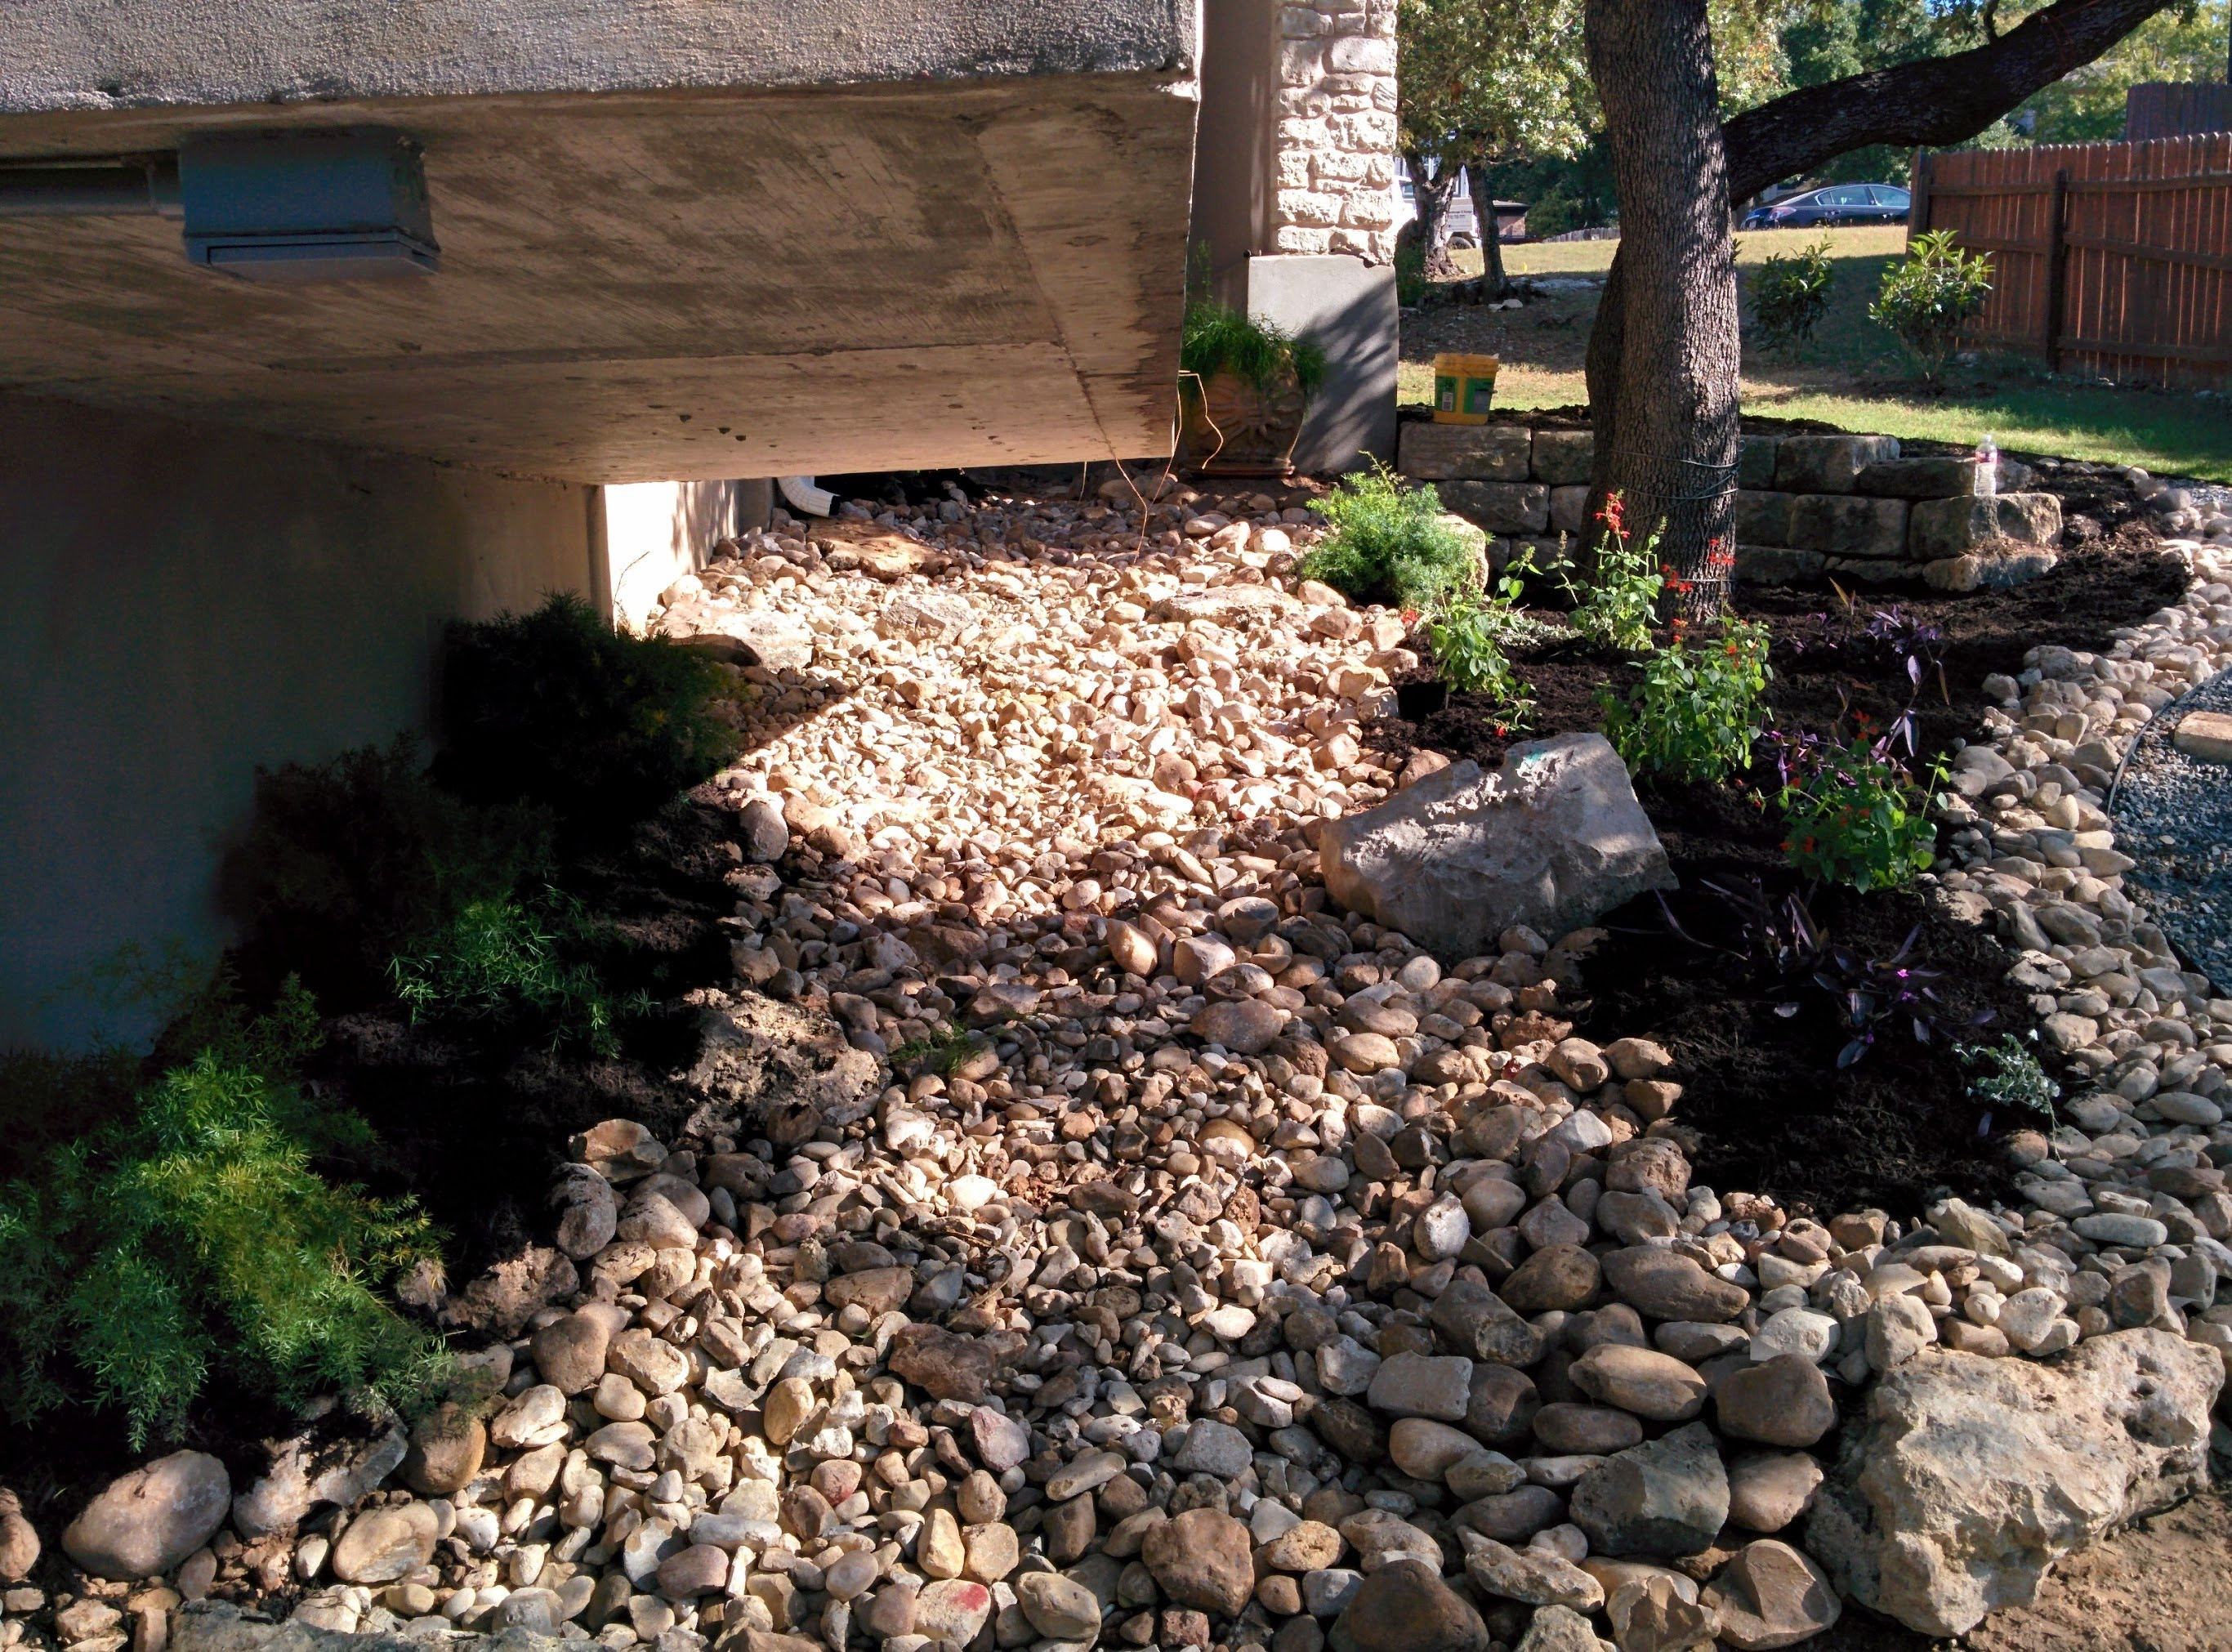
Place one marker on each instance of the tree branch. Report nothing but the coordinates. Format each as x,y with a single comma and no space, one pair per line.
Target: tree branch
1937,100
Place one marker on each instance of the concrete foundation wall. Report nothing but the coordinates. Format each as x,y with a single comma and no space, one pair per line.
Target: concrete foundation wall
639,286
116,54
656,532
184,603
1348,307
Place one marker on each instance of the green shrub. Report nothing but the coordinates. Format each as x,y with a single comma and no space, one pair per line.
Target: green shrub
1696,713
1790,294
555,707
1217,338
1928,295
1620,605
1854,816
504,961
1469,641
346,863
193,1237
1411,284
2007,1075
1389,544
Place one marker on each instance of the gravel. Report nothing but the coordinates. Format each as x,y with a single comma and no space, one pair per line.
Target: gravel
2178,809
1042,1279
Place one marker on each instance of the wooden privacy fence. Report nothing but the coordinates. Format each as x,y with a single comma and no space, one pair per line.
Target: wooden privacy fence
2110,260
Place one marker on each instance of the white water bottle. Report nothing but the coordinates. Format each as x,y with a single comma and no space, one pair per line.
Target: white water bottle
1988,468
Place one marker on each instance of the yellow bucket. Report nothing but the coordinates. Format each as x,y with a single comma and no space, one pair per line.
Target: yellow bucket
1463,386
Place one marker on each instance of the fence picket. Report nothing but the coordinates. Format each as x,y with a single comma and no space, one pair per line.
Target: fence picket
2113,260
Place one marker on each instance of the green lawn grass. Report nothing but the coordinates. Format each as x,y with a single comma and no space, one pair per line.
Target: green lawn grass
1852,374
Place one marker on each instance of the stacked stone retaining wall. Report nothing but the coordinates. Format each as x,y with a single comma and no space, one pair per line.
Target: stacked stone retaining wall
1807,505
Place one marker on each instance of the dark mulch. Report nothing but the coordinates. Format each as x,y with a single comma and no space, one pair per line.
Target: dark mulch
1762,1082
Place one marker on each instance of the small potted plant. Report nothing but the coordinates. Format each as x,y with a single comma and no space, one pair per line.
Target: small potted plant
1245,387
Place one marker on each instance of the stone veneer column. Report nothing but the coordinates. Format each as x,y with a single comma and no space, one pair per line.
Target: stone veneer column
1335,152
1294,196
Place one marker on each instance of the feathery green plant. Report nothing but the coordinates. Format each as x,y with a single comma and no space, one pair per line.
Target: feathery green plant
195,1236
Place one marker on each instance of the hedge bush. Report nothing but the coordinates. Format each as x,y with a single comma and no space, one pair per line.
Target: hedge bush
556,708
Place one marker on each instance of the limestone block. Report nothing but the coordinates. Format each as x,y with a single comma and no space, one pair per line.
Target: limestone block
1357,54
1935,477
1827,464
1569,509
1563,459
2205,734
1846,525
1508,508
1993,568
1764,518
1432,452
1755,461
1945,528
1918,478
1777,565
1548,553
1871,570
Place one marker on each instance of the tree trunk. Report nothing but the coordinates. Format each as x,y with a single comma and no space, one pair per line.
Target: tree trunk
1432,198
1491,247
1664,355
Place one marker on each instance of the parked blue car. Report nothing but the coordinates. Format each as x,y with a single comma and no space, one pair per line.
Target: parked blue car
1837,203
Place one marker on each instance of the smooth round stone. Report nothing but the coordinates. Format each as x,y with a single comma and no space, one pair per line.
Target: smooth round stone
1586,1430
2110,1228
2183,1107
853,1576
1795,1331
1780,1401
1766,1492
1059,1607
1649,1384
1425,1449
1691,1340
385,1545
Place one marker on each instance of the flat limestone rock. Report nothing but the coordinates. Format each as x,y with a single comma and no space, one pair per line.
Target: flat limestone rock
1971,1476
1552,840
2205,734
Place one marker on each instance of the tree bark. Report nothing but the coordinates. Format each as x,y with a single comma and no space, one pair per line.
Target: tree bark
1663,353
1491,247
1937,100
1667,412
1432,199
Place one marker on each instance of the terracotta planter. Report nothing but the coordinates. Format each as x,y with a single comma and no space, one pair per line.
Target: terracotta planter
1230,427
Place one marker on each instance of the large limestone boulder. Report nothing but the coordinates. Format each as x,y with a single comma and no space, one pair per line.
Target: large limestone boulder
1970,1476
1554,839
759,1055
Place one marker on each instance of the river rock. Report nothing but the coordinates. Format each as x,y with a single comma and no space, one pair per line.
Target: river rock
1476,1320
1667,1497
1780,1402
1423,1385
1536,1577
1973,1475
1665,1286
1551,839
383,1544
1405,1607
1652,1385
1771,1595
1768,1491
1204,1558
150,1519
